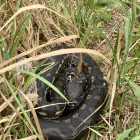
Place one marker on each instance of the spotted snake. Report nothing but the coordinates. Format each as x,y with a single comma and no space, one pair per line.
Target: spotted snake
70,126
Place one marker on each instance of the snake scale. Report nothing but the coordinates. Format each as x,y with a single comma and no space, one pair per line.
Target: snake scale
73,125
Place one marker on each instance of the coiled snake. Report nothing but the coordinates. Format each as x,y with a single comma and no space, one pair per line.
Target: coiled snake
70,125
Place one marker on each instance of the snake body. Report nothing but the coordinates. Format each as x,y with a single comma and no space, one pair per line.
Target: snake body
71,126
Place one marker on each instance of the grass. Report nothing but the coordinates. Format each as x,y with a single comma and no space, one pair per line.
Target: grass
109,27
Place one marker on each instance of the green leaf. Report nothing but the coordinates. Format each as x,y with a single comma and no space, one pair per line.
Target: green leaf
104,15
127,27
92,137
106,2
136,138
122,8
135,88
125,134
99,25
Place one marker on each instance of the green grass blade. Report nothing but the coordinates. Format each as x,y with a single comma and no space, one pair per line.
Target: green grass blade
22,109
127,31
104,15
136,138
84,40
12,129
14,46
4,48
134,66
18,4
29,78
21,127
12,33
106,2
15,132
66,11
125,134
122,8
132,18
135,88
43,80
102,34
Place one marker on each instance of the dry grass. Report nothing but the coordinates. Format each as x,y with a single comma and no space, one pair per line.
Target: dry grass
45,29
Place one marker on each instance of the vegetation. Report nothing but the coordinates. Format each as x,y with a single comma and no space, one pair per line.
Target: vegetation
29,28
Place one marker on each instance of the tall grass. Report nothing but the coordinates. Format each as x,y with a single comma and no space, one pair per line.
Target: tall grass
93,22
